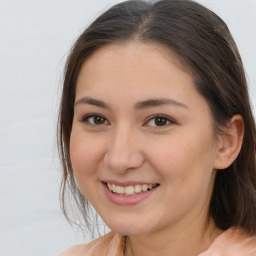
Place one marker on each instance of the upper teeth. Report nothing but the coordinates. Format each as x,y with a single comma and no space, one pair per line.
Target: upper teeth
129,190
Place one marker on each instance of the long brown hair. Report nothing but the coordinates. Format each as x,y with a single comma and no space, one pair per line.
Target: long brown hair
204,44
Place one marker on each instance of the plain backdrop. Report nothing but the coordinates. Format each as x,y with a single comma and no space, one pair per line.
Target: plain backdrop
35,37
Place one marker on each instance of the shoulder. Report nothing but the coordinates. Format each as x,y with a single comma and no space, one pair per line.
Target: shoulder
110,244
233,242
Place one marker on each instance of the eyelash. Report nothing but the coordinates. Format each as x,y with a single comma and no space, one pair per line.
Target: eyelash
86,118
159,116
153,118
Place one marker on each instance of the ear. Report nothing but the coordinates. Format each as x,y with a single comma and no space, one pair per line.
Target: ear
230,142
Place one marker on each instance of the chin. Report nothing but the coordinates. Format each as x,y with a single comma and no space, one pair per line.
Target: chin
129,227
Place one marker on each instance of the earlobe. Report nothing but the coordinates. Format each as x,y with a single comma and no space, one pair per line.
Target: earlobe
230,142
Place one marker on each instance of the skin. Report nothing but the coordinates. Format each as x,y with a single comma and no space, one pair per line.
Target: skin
127,145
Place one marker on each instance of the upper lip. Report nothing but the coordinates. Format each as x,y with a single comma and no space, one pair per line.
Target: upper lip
128,183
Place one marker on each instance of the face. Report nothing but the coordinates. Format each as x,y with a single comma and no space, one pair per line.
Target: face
142,144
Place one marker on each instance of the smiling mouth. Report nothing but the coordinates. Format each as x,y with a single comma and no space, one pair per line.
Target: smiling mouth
130,190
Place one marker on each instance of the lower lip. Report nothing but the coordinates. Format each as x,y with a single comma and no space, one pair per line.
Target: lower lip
127,200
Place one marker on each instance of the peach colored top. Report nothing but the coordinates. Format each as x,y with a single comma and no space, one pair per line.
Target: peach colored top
232,242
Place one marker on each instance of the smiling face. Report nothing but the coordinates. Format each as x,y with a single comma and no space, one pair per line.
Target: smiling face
140,124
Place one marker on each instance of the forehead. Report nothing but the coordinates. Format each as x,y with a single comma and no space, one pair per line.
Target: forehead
138,65
123,49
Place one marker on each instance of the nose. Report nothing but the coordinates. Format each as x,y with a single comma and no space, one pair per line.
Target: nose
123,152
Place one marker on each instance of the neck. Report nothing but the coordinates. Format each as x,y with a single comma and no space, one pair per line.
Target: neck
190,241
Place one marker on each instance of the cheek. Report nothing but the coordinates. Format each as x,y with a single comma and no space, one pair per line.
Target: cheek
182,158
186,168
85,153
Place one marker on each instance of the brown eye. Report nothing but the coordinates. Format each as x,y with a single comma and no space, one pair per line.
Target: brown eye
98,120
159,121
95,120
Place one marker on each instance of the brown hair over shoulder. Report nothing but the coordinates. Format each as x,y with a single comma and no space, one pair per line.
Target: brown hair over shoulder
203,42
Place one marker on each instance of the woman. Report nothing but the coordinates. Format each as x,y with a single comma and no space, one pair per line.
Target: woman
157,133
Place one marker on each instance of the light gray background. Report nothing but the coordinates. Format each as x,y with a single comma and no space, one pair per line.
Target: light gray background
34,39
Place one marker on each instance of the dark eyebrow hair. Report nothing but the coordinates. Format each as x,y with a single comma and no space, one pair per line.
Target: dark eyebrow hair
94,102
159,102
140,105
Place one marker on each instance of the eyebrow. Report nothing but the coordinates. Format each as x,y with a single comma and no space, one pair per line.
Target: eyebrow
94,102
155,102
159,102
